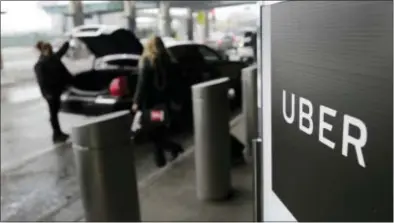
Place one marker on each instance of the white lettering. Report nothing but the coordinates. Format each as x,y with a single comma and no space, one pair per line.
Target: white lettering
348,139
288,119
305,116
325,126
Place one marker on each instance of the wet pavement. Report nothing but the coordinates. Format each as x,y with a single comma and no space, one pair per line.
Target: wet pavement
25,128
34,172
38,179
19,62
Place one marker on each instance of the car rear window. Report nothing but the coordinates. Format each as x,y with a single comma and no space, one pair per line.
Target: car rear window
178,52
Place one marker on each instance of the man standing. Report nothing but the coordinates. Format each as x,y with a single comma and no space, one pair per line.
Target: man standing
53,78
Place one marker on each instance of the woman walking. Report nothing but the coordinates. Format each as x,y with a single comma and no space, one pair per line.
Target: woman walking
157,87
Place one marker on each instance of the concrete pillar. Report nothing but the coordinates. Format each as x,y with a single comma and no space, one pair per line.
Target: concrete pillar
64,19
131,14
165,18
190,24
1,52
99,18
213,19
206,26
76,9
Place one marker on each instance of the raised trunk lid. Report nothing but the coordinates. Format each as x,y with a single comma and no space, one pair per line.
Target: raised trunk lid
104,40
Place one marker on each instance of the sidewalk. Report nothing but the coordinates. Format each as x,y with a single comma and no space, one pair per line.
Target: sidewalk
169,194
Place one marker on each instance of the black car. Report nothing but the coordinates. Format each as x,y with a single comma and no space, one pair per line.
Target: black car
221,41
201,63
117,52
247,46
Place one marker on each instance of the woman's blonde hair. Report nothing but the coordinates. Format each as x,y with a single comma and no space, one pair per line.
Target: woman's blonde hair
153,48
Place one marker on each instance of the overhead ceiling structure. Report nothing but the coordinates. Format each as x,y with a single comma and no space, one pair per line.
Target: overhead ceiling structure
207,5
96,7
54,7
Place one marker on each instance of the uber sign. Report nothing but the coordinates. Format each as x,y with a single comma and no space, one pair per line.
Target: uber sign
332,109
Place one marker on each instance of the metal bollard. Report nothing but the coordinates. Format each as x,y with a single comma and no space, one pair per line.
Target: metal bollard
249,107
212,139
105,165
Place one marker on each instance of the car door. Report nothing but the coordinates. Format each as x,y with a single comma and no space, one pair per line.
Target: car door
192,64
216,61
219,67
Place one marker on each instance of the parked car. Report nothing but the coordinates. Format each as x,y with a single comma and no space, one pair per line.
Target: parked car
117,52
221,41
201,63
245,46
77,49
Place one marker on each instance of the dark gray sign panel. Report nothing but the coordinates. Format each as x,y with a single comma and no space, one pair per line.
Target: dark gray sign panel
332,109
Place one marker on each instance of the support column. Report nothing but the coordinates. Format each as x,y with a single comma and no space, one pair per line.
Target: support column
1,52
213,19
206,26
190,24
64,23
76,8
131,14
165,19
99,18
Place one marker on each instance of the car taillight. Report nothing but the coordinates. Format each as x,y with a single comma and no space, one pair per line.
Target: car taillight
118,86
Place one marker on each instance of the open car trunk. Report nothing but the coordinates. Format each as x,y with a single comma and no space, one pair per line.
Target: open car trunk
117,42
120,41
97,82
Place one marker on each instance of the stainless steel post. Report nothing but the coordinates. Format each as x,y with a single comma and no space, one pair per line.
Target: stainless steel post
249,107
212,139
105,165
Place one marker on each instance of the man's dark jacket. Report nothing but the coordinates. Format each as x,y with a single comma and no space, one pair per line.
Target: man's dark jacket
52,76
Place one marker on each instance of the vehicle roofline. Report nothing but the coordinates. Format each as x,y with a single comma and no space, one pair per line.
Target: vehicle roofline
78,31
182,44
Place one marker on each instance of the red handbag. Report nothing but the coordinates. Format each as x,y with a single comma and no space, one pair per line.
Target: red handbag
150,119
